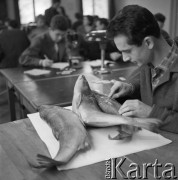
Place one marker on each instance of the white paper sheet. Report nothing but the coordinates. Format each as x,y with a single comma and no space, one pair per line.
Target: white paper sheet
37,72
102,148
97,63
60,65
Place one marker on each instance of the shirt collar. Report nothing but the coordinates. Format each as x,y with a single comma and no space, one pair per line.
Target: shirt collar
169,60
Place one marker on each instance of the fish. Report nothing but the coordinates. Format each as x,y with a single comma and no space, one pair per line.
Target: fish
85,104
68,129
111,106
106,104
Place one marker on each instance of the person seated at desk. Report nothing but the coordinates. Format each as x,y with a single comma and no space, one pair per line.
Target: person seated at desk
155,90
49,47
111,50
160,18
41,27
13,42
94,51
87,26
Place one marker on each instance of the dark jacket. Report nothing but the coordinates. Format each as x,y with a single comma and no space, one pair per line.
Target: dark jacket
40,47
49,13
163,99
12,44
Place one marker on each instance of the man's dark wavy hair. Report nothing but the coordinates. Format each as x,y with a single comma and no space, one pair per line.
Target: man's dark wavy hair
59,22
135,22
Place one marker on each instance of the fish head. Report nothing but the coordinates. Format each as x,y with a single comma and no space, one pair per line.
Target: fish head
82,86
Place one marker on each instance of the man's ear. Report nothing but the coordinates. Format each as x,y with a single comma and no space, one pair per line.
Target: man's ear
149,42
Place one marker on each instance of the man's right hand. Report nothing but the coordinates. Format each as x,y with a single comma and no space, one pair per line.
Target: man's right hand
46,63
120,89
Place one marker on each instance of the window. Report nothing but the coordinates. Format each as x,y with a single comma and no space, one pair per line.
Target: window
28,10
96,7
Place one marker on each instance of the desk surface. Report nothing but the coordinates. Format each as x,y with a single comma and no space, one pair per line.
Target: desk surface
19,145
56,90
31,91
16,75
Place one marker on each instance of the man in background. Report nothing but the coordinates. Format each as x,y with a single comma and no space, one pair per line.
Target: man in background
49,47
41,27
13,42
160,18
52,11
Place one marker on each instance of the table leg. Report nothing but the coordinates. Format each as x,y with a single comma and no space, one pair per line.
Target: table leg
11,100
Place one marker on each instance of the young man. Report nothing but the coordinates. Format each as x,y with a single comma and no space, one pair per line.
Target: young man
49,47
137,36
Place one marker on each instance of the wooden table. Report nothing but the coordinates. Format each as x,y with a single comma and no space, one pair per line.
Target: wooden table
33,91
20,143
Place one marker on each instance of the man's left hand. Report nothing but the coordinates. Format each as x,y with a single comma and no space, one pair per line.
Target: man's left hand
135,108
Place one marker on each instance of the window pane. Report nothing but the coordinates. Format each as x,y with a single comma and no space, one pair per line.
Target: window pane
87,7
101,8
96,7
26,11
41,6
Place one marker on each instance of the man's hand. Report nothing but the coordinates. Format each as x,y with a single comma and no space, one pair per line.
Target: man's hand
120,89
46,63
135,108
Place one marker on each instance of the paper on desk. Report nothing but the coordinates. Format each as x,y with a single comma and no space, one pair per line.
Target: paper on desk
102,148
97,63
60,65
37,72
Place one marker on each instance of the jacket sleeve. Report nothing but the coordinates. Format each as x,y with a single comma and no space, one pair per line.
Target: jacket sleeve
32,55
169,118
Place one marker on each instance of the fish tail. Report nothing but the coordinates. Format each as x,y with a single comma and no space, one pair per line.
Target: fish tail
47,162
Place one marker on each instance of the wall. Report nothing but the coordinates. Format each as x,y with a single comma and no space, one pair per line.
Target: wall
155,6
3,11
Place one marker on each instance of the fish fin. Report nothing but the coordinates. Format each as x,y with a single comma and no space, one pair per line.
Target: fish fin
47,162
79,100
76,102
56,134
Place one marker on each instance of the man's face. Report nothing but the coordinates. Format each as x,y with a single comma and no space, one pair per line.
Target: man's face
99,26
57,35
136,54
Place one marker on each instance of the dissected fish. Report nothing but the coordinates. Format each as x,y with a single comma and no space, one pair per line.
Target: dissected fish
85,105
111,106
68,129
107,104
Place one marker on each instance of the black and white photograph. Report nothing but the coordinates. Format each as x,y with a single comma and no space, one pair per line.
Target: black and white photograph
88,89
